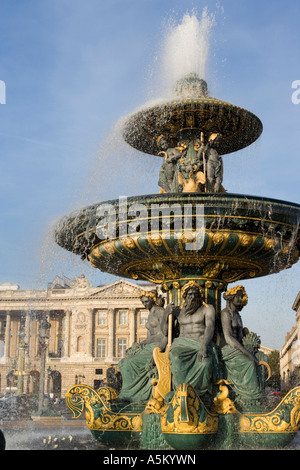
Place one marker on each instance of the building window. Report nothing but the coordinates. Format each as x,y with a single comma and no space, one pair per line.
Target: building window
123,317
102,315
122,346
143,317
101,347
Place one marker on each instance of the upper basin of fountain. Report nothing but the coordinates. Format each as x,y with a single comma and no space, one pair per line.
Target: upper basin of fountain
192,109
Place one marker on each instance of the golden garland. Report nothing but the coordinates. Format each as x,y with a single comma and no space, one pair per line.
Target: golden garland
150,294
234,291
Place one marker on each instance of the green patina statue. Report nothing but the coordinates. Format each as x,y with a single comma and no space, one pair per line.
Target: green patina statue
193,356
168,174
138,367
182,391
192,166
240,364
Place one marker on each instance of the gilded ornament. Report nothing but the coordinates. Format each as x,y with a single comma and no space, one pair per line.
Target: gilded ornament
187,407
218,238
270,243
80,396
188,237
92,261
233,290
246,240
284,419
156,240
151,294
128,242
222,403
213,269
109,247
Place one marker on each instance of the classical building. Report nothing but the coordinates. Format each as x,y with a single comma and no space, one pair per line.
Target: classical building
91,327
290,352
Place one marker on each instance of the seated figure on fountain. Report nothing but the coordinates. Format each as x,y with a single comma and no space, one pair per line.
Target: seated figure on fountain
168,174
240,363
137,367
214,165
193,355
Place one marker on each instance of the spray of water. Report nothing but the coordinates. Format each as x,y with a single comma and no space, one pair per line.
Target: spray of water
117,169
184,49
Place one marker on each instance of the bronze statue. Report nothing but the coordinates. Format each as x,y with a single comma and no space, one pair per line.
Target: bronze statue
240,365
192,355
168,174
192,166
214,165
137,367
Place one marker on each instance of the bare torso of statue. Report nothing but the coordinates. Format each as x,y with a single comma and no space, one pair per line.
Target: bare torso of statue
193,326
192,352
196,320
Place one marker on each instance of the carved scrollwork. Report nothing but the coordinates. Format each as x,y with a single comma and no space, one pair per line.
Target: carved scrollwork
187,408
284,419
98,410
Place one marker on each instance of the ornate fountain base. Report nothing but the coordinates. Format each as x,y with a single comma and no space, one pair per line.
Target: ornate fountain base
184,422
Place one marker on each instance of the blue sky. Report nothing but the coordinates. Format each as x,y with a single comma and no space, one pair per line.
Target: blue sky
73,68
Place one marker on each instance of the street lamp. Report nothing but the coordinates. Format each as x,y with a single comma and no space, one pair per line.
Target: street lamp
43,338
20,372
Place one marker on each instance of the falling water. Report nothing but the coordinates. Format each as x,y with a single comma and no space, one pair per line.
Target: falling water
184,49
117,169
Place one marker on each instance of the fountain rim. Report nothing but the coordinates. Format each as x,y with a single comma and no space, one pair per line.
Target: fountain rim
83,216
155,197
151,132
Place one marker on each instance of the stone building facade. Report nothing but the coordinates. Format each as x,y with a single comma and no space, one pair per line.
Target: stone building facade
91,327
290,352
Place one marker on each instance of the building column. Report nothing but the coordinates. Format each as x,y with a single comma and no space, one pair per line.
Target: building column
27,328
7,335
66,334
132,326
90,331
298,322
298,337
111,335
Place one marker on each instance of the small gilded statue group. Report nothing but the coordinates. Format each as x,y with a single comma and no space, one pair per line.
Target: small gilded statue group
194,355
191,167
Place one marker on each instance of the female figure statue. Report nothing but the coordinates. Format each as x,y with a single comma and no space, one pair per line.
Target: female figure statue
168,173
240,364
137,367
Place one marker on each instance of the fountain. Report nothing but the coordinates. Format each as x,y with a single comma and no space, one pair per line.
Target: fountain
198,380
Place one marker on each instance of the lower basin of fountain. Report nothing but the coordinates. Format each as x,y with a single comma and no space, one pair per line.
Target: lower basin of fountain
175,237
170,240
184,422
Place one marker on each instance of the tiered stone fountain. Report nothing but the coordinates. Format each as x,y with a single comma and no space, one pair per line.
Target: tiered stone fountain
192,234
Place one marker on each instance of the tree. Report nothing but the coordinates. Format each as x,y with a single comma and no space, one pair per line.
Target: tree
274,363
